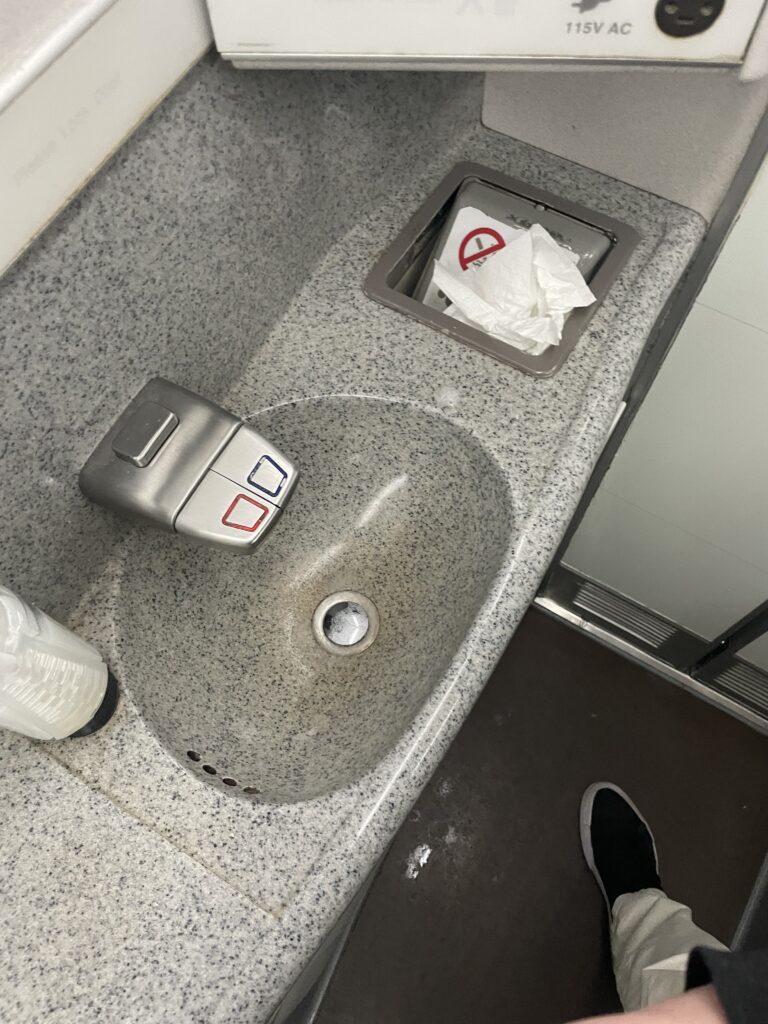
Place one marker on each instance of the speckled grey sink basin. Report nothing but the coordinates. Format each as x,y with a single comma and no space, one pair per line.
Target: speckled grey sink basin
394,502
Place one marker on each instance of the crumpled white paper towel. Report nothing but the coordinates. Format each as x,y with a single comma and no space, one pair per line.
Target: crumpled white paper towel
521,294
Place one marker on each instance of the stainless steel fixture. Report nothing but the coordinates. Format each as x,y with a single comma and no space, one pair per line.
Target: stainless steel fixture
187,465
345,623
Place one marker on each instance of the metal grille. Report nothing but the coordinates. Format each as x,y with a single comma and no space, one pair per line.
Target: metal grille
736,686
623,614
744,683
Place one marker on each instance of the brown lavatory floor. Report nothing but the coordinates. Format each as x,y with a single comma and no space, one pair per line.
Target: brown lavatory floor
483,910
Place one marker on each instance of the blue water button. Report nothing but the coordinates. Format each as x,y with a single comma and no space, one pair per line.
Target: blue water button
268,476
249,460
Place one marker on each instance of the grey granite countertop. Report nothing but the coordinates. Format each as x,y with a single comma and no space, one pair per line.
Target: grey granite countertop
133,891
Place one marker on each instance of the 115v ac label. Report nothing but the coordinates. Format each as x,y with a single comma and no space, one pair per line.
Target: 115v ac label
596,28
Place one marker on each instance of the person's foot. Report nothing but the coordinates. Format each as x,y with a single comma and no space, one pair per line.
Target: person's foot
617,842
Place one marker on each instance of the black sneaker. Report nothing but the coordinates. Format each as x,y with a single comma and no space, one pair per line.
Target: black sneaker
617,842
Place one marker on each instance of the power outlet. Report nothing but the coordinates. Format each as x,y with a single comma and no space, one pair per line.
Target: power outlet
687,17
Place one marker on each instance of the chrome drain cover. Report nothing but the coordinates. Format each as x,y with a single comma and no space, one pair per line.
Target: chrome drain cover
345,623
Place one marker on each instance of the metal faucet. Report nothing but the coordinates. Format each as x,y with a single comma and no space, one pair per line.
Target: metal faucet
189,466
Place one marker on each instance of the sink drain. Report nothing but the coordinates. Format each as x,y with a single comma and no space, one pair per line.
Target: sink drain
345,623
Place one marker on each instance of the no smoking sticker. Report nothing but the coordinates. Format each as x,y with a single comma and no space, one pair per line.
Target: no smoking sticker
474,236
486,240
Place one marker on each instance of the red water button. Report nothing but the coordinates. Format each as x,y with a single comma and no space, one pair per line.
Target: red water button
245,513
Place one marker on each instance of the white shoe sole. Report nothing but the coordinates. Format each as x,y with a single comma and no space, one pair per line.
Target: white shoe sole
585,828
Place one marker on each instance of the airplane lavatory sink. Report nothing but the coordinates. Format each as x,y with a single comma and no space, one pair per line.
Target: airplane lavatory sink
287,673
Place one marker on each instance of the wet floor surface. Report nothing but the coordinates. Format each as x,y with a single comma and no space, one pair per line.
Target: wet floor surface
483,909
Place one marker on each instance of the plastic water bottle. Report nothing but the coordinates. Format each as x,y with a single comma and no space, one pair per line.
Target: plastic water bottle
52,683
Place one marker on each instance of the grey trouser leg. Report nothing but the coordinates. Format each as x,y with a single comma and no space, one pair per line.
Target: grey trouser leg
651,937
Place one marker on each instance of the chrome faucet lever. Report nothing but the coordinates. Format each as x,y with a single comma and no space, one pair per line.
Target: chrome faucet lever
189,466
